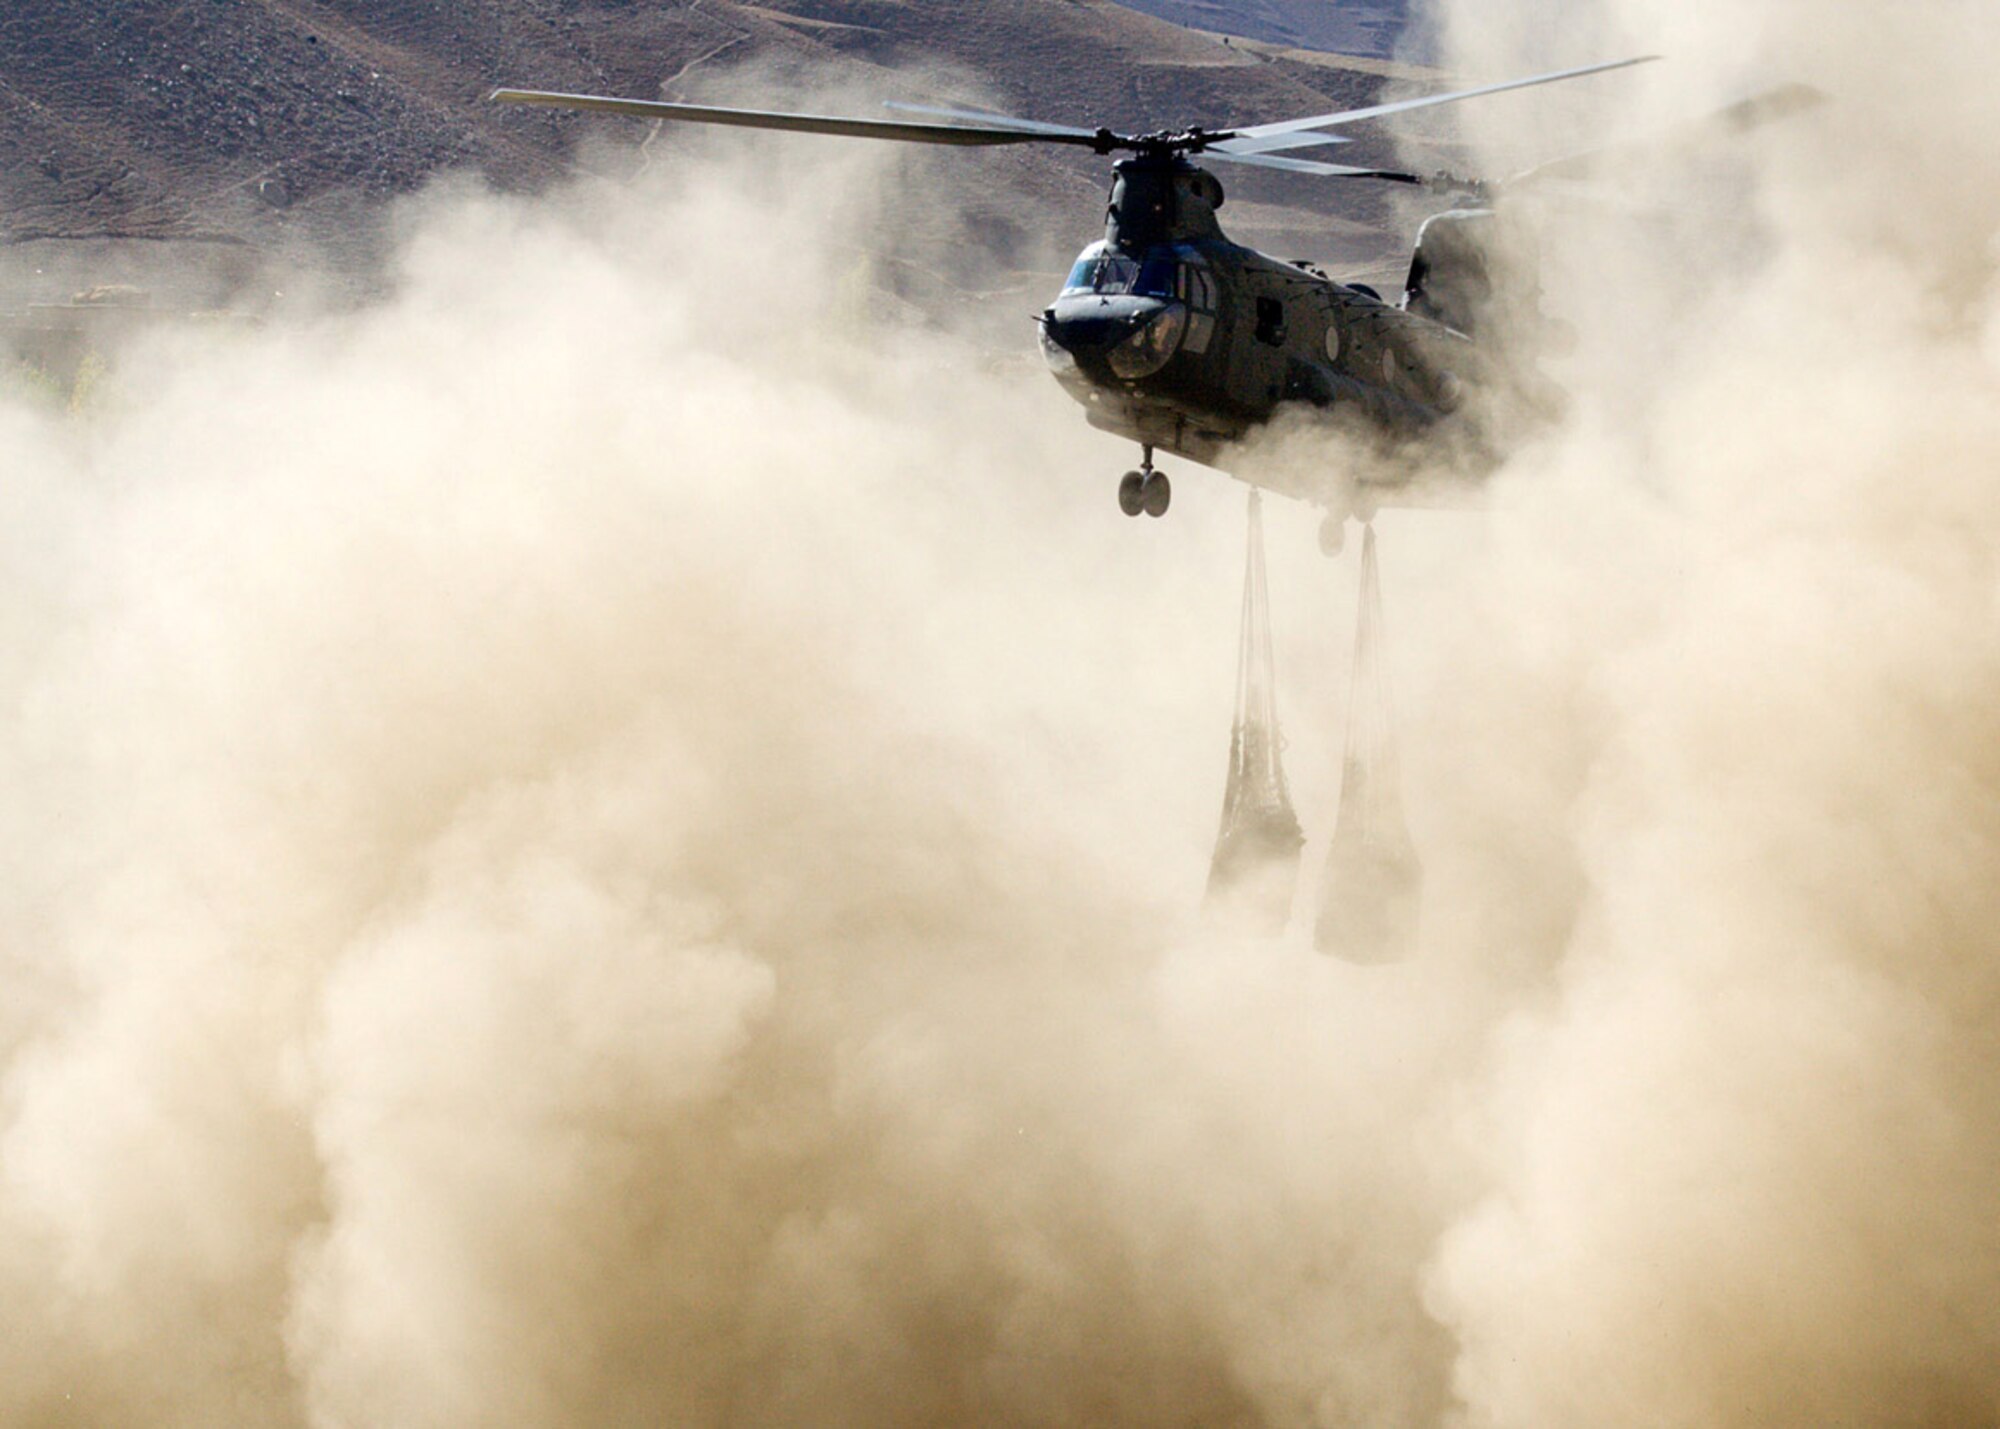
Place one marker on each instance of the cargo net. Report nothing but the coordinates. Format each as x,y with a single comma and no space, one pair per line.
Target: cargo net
1374,884
1255,871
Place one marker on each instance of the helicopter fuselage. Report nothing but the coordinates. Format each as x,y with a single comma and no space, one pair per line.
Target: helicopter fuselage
1171,334
1184,341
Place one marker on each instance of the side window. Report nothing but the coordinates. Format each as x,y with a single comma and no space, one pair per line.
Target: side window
1199,291
1271,321
1158,277
1200,330
1197,288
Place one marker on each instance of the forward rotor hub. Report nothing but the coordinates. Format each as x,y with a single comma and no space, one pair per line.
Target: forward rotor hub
1163,143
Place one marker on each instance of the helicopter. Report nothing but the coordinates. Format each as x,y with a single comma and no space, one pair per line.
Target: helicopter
1173,335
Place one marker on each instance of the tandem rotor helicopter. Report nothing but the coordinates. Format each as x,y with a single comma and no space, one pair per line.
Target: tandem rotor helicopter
1171,334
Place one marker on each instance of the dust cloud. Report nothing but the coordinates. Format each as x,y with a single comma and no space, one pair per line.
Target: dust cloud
1736,1159
611,839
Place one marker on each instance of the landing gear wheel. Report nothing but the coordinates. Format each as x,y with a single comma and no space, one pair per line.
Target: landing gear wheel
1132,493
1156,493
1333,534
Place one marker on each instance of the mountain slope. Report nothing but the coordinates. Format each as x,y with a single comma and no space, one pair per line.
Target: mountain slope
1354,27
257,122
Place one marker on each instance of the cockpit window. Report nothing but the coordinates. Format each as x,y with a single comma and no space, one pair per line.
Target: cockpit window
1109,274
1102,274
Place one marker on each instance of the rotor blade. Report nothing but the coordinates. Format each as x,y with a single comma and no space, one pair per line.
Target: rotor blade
1215,150
1247,140
1739,118
980,116
793,123
1310,166
1272,143
1222,152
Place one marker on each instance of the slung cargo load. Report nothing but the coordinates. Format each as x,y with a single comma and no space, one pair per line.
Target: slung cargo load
1255,871
1374,883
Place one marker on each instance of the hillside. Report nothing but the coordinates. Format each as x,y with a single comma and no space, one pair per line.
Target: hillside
265,124
1353,27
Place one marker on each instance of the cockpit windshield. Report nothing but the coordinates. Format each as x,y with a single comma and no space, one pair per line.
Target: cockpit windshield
1108,274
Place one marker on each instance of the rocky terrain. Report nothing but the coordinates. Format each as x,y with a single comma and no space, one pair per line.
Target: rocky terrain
248,126
1354,27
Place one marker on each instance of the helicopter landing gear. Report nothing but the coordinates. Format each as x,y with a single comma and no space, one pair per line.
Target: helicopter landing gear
1132,493
1145,490
1356,506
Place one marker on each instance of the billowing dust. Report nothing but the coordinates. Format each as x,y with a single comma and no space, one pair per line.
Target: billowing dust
612,840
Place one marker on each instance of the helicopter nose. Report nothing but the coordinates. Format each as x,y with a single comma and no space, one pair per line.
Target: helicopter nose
1111,340
1094,331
